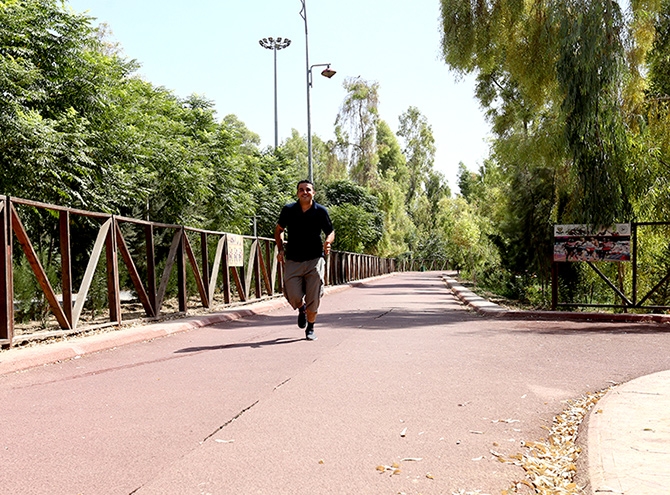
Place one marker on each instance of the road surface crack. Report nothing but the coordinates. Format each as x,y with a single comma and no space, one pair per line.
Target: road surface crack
229,421
383,314
209,436
282,383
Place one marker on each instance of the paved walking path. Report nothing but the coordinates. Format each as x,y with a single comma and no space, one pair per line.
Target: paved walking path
402,375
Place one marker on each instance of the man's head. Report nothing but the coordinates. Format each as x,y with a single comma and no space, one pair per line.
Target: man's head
305,192
305,181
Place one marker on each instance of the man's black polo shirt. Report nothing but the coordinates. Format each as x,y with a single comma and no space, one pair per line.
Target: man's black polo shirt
304,230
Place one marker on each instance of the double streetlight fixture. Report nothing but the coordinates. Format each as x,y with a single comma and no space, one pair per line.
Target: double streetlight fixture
327,72
275,44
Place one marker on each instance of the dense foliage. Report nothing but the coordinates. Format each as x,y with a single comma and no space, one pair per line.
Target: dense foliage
576,93
79,128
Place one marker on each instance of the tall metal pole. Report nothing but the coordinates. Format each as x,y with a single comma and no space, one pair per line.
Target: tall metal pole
308,74
274,45
274,49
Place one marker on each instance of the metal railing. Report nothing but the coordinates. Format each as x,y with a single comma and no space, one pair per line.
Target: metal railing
151,256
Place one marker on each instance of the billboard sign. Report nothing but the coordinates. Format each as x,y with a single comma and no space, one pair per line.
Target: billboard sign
577,242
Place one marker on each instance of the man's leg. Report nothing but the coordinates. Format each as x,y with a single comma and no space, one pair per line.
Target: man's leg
294,289
293,283
314,284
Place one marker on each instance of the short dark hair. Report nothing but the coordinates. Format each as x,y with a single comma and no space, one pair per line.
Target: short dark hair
305,181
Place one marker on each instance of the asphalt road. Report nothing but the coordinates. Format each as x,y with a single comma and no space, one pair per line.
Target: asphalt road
401,373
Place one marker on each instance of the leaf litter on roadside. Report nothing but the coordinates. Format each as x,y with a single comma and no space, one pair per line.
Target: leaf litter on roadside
551,466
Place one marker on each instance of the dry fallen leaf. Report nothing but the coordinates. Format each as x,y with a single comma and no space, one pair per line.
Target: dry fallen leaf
430,476
395,468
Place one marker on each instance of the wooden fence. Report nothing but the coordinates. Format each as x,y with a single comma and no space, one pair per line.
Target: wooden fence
196,258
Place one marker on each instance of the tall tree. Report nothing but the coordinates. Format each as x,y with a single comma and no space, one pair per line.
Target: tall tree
356,216
356,128
392,193
419,150
49,77
326,164
590,74
551,66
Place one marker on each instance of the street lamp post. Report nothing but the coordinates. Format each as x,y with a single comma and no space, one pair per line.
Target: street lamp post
327,72
274,45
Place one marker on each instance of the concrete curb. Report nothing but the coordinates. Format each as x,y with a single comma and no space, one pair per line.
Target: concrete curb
487,308
23,358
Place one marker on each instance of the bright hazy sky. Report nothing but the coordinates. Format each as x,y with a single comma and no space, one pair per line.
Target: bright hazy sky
210,47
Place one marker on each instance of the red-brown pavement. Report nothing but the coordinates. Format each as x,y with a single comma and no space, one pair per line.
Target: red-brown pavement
401,370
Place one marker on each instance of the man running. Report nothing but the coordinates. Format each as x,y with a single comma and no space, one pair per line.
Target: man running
304,263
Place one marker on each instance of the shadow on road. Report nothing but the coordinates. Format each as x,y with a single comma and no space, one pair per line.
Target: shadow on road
252,345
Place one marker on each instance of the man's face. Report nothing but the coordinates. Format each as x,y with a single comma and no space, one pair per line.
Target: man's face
305,192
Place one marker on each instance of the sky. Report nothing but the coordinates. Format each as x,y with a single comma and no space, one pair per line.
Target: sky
210,47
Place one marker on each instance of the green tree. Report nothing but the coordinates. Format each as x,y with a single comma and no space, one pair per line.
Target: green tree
356,128
392,193
419,150
589,73
465,239
326,165
48,85
356,216
392,161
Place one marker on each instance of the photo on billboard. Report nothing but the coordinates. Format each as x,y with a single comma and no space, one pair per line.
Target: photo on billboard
576,242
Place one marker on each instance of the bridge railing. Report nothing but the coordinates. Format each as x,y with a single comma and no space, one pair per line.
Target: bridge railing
137,268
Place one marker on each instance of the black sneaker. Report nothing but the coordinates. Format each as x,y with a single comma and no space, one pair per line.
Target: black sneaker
302,317
309,333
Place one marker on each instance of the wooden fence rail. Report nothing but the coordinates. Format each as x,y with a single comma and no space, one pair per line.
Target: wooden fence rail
130,244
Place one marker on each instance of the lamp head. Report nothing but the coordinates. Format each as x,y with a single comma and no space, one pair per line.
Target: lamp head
328,72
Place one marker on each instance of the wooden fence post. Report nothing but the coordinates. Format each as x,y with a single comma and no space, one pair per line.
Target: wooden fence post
204,255
151,268
181,272
113,287
6,275
66,262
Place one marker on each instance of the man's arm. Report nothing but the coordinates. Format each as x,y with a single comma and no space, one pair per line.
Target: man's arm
327,243
280,243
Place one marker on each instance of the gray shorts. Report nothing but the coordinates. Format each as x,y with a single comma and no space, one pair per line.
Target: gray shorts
304,279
